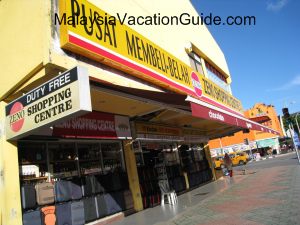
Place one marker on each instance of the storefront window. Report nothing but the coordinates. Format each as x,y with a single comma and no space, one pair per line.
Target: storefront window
153,153
68,159
55,173
138,153
195,164
33,159
89,155
198,152
186,156
171,155
112,157
62,159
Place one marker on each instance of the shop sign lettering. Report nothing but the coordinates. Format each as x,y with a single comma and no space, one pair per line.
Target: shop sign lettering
216,116
92,32
143,128
63,96
95,125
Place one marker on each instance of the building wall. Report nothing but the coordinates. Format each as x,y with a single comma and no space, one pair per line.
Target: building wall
270,111
10,201
31,53
25,37
237,138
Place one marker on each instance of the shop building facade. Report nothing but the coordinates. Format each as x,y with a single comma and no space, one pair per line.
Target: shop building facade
106,107
258,141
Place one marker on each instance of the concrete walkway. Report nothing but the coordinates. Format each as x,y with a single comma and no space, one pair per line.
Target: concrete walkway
262,196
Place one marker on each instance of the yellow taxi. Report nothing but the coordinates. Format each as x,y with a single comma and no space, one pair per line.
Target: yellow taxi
237,158
218,162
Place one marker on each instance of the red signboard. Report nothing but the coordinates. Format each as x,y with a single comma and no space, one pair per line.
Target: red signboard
95,125
212,114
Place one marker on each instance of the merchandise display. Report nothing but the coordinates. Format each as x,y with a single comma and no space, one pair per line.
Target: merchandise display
85,181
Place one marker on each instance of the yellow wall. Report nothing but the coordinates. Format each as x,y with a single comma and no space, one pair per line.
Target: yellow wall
25,38
10,202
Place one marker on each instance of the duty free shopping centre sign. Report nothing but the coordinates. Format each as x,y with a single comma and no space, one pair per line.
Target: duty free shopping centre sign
62,97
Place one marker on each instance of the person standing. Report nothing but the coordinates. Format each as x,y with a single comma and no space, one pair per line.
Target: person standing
228,164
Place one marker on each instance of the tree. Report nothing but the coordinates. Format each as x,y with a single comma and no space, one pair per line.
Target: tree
293,121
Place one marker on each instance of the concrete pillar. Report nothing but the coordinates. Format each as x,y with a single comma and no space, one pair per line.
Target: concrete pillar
204,67
186,180
133,178
209,159
10,201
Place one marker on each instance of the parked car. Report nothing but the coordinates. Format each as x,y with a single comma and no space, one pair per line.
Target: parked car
238,158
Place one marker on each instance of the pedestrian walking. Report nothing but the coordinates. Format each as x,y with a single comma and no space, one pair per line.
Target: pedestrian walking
228,164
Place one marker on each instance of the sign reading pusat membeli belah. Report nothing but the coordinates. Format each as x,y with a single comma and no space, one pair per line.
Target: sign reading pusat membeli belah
62,97
90,31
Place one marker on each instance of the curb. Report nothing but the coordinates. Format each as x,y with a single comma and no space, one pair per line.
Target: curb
272,157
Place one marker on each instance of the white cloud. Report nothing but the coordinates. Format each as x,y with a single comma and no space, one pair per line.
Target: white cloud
277,5
290,84
296,81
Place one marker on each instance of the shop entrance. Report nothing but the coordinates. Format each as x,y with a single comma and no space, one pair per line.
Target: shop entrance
157,161
184,166
195,164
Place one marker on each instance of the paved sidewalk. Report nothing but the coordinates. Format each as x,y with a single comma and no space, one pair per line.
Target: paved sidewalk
261,197
268,197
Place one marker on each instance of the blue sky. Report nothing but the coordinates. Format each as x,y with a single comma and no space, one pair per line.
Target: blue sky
264,59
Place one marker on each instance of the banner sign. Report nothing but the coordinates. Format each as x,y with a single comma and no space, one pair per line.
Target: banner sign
267,143
64,96
296,139
95,125
92,32
194,136
243,147
143,128
159,137
158,132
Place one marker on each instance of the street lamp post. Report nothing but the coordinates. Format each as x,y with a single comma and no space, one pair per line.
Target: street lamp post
297,122
221,146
